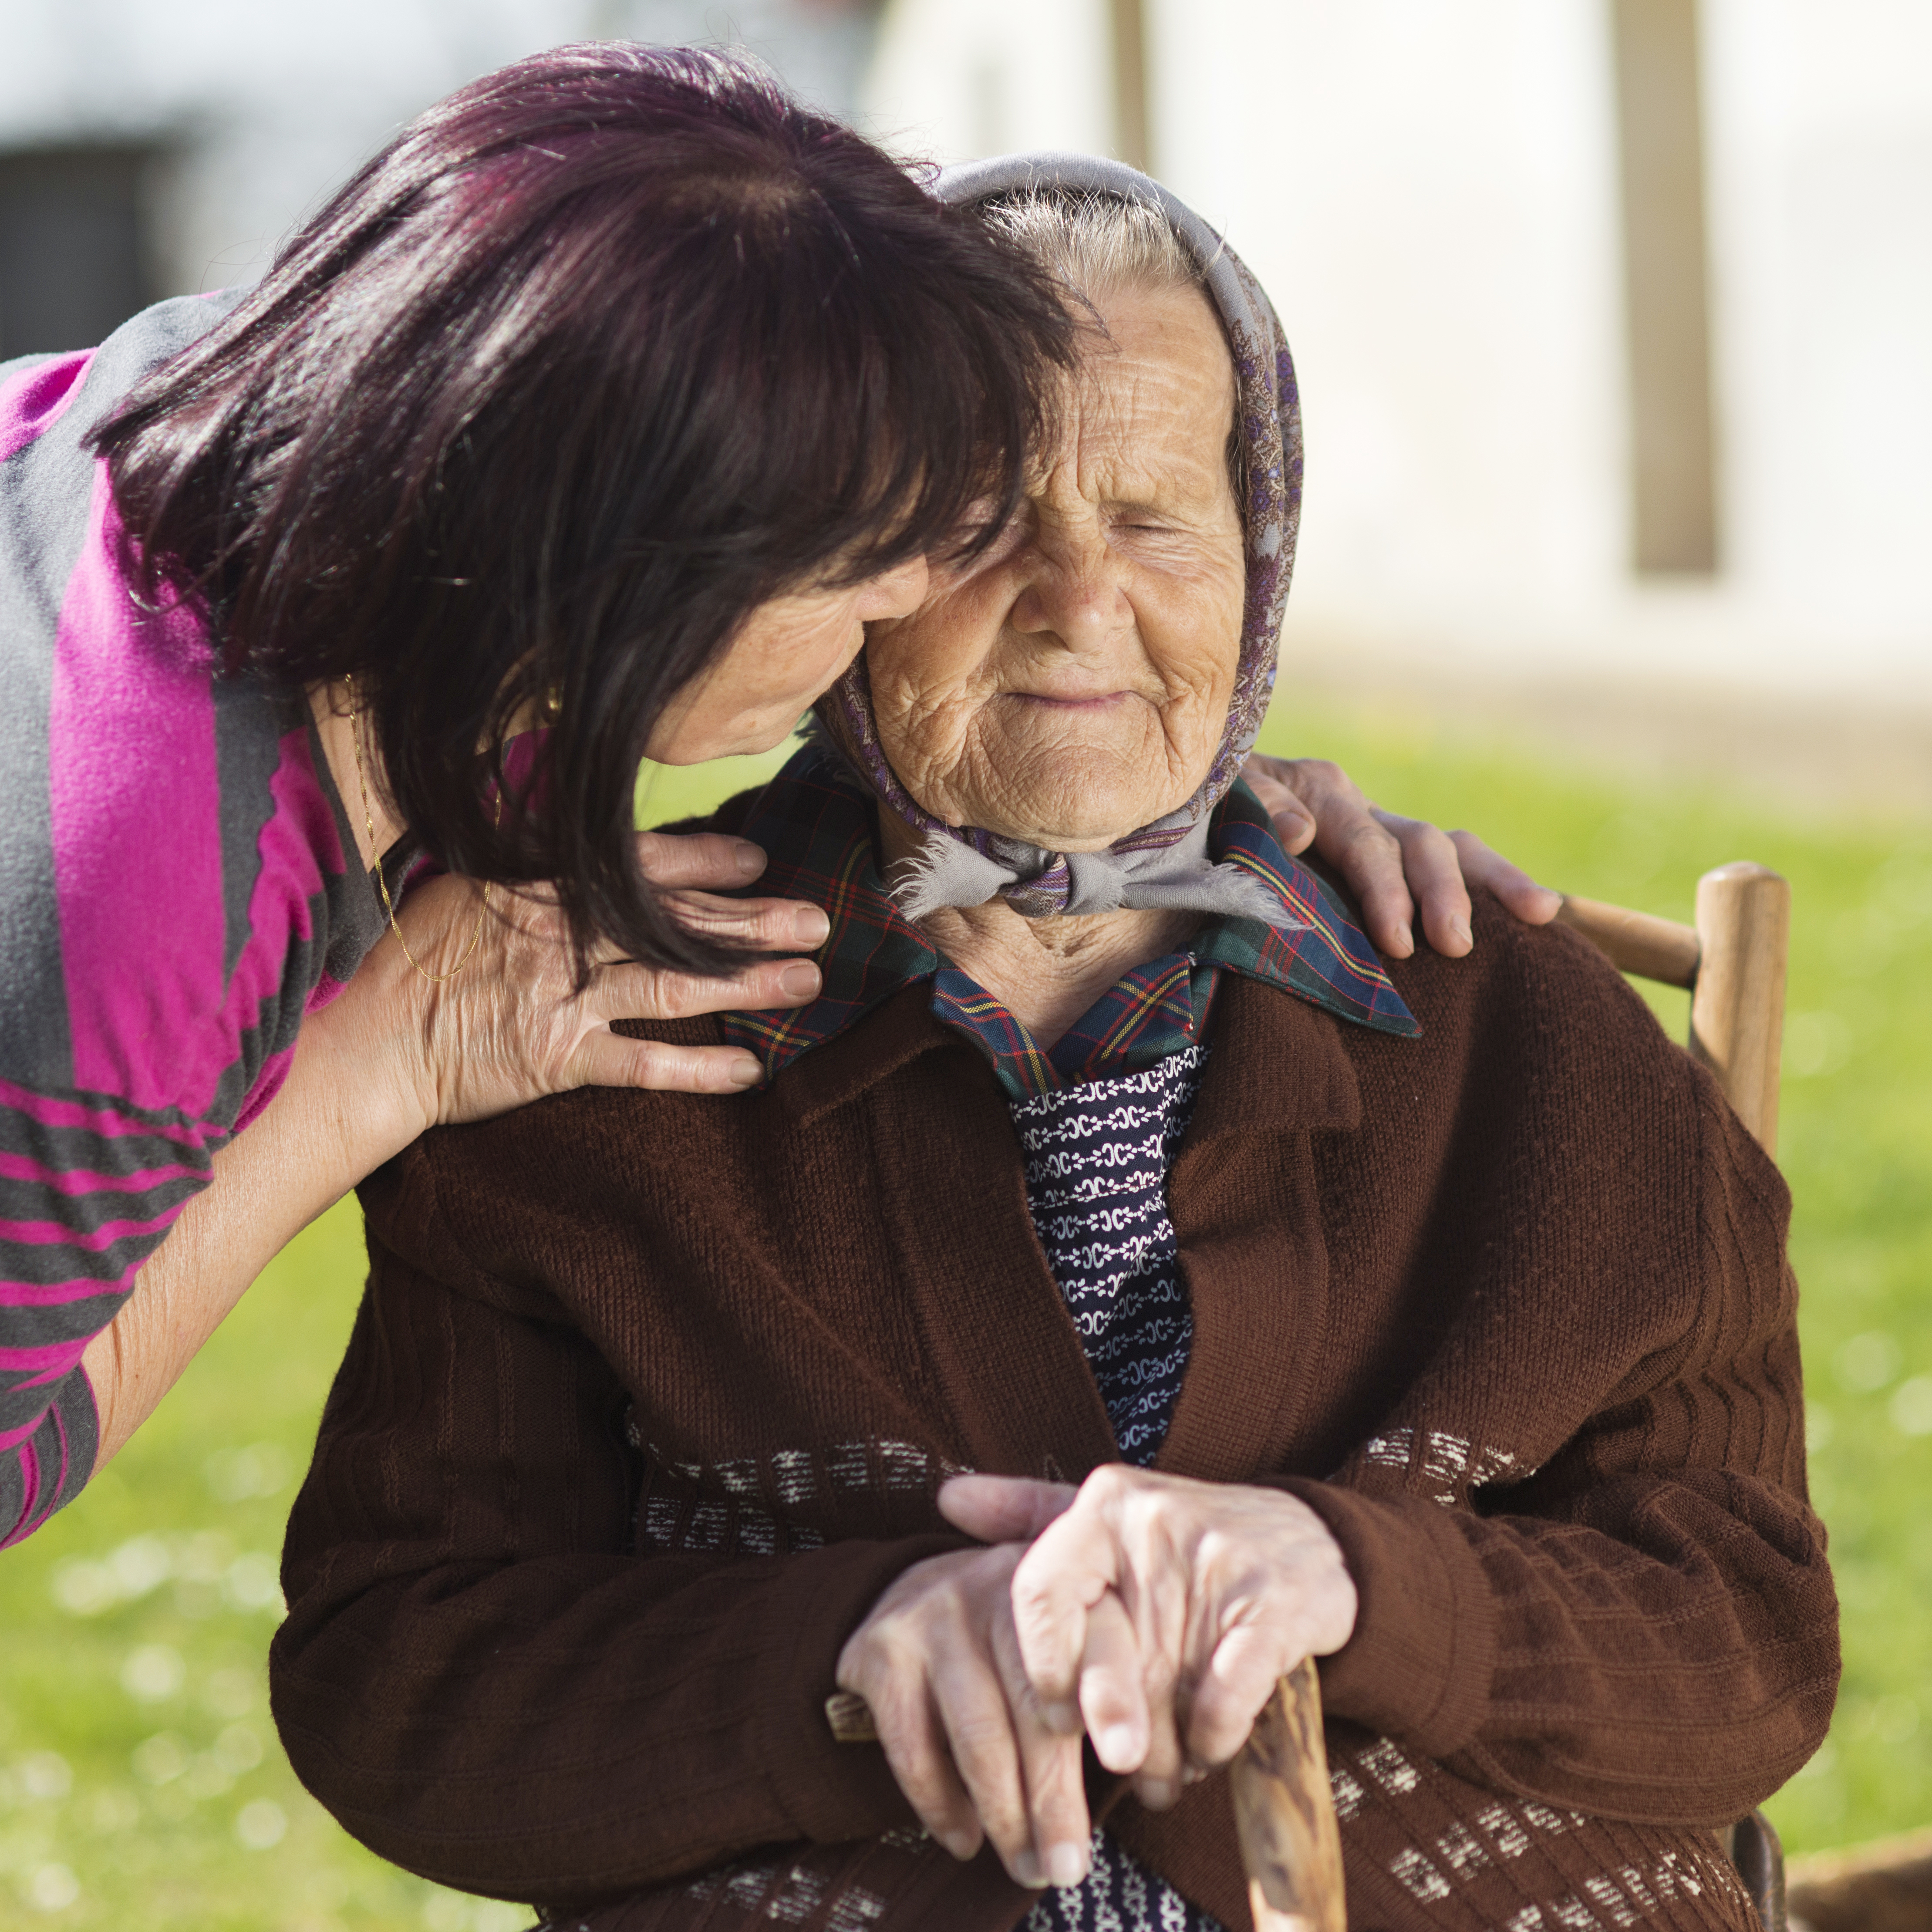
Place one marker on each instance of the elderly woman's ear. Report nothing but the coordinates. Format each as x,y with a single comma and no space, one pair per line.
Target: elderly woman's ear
1392,865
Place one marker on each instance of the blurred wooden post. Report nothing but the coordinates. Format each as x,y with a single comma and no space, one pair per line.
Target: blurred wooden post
1285,1813
1660,143
1132,141
1737,1007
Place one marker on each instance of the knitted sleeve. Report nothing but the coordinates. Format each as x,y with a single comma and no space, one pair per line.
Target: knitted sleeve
481,1680
1645,1627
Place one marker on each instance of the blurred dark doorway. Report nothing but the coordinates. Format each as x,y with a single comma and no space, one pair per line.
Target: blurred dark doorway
75,246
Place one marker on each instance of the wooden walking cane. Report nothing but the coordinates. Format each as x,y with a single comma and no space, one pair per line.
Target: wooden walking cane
1284,1811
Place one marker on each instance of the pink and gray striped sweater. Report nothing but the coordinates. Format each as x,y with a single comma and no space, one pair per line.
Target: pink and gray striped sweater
174,898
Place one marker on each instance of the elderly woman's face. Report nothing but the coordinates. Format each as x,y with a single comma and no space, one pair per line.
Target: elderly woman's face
1072,683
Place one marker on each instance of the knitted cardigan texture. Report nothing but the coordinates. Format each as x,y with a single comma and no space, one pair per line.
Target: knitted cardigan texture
650,1395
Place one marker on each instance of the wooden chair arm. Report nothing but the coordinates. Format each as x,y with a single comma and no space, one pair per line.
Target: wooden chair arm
1636,942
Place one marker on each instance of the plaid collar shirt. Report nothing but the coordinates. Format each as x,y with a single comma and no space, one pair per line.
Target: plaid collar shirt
815,824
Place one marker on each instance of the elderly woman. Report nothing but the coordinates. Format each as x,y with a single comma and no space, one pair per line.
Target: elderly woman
1431,1319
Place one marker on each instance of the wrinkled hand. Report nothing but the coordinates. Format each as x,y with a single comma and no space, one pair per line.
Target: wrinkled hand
511,1028
938,1664
1157,1613
1392,863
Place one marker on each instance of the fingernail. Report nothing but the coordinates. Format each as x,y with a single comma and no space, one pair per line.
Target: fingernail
1407,938
960,1844
1115,1746
1192,1773
1026,1871
1157,1794
810,927
800,982
1459,926
749,858
1065,1865
746,1072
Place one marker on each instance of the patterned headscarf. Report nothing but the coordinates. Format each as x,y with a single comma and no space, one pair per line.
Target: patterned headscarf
1168,863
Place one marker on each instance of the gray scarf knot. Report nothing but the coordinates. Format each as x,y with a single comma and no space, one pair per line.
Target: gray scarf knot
1165,865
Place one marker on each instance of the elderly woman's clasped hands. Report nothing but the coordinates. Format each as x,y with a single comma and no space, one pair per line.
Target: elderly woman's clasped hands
1151,1613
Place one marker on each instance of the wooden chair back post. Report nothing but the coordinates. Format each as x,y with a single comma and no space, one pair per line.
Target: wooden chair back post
1737,1006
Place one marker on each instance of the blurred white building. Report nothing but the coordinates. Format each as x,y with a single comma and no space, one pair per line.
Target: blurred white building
1608,366
1436,193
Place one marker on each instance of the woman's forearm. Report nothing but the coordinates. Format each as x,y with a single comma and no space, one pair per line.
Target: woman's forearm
341,1112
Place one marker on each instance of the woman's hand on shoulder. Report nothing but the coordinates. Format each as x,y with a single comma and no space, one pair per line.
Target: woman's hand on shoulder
1156,1613
510,1027
1393,864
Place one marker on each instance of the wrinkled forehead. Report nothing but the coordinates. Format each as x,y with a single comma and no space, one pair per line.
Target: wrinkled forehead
1154,389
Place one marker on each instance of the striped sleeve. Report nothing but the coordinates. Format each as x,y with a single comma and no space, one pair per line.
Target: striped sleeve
172,864
87,1192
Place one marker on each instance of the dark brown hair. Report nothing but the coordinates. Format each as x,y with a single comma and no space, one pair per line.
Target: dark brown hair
599,354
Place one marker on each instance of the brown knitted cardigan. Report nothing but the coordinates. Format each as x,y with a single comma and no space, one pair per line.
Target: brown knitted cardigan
650,1393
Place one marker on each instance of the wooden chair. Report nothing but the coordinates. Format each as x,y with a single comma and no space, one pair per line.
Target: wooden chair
1732,962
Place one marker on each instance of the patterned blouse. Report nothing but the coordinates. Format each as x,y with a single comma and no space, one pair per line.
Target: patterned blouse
1097,1158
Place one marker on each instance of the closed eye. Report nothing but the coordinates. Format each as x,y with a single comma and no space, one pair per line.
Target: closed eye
1144,523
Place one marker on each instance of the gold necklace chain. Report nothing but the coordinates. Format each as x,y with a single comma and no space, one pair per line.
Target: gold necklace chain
382,884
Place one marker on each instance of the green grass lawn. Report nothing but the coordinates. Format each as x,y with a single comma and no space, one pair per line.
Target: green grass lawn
140,1782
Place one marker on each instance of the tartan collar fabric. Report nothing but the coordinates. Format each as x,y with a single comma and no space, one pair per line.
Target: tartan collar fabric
814,821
